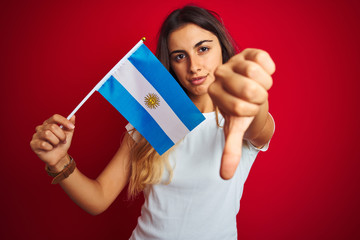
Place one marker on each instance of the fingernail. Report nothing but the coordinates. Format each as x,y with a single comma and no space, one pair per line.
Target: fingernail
71,126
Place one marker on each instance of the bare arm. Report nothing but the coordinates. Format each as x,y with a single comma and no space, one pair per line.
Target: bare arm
95,196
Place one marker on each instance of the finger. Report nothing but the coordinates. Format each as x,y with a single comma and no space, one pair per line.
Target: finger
50,137
60,120
241,86
230,104
260,57
52,131
39,128
231,156
40,145
72,120
253,71
44,136
234,130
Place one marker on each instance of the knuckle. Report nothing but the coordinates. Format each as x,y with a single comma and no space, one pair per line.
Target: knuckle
38,128
252,69
214,88
211,90
218,71
53,127
45,136
250,91
43,144
270,83
250,52
47,133
261,97
56,117
260,55
242,109
237,57
221,71
238,108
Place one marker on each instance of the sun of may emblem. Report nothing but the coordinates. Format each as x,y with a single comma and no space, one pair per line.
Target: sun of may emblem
152,101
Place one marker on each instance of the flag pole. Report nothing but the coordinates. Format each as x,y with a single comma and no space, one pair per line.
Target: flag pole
106,77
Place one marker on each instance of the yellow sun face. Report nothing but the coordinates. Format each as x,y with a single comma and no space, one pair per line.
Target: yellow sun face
152,101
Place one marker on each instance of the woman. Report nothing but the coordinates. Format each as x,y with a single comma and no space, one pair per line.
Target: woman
185,196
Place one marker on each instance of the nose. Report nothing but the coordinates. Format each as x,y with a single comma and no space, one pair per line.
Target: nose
194,64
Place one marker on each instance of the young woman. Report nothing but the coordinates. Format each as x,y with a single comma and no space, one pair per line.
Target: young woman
194,190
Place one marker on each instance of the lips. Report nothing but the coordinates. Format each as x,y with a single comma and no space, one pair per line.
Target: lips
198,80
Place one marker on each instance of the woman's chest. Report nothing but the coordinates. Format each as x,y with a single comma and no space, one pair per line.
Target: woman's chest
197,158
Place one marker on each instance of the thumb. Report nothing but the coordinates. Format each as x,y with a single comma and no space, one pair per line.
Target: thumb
234,130
70,131
72,119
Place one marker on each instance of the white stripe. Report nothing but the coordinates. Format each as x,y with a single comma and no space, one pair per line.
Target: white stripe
125,58
103,80
135,83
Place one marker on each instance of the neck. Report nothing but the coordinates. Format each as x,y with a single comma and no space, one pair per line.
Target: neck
203,103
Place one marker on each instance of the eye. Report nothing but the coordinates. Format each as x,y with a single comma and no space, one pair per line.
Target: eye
179,57
203,49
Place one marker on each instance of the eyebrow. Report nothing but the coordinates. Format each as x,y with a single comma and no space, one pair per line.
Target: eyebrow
195,46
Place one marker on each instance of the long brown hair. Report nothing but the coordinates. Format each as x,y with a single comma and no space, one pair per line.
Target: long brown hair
147,165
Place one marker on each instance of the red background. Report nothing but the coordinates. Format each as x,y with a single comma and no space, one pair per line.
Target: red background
305,187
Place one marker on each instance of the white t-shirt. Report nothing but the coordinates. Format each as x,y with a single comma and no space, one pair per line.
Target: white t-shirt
198,203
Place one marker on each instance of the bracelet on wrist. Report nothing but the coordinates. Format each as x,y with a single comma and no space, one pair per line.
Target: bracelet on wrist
59,176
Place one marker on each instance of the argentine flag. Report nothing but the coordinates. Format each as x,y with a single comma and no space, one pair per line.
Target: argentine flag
146,94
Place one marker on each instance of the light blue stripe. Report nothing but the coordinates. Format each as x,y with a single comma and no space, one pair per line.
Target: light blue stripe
122,100
159,77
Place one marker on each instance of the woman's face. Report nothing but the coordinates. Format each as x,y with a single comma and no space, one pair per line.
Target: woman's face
195,53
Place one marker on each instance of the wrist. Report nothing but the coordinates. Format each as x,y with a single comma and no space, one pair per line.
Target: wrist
60,165
65,172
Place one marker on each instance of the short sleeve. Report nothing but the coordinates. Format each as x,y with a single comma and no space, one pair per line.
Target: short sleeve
263,149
